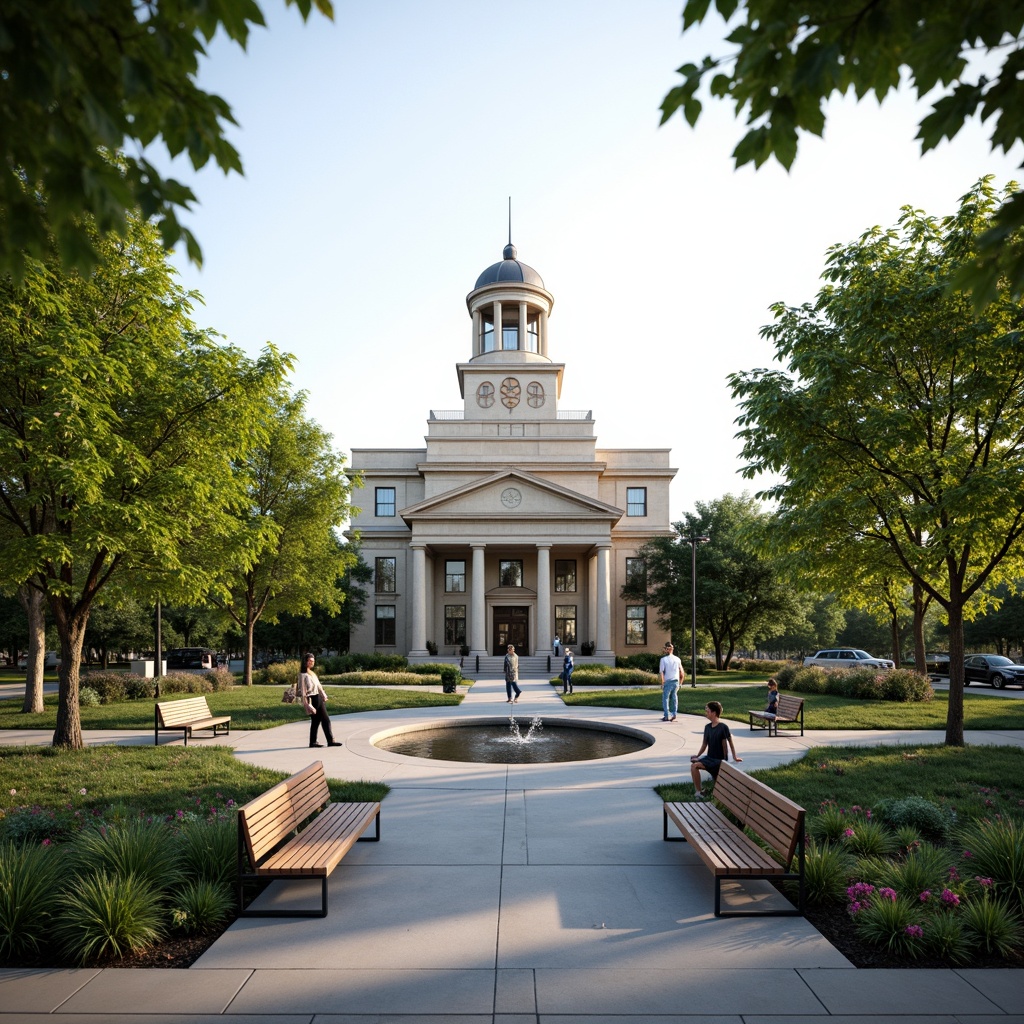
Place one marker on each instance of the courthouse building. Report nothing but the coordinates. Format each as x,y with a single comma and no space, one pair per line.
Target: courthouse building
511,525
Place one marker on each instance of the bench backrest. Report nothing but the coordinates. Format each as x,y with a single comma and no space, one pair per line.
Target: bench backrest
789,706
176,712
773,817
275,814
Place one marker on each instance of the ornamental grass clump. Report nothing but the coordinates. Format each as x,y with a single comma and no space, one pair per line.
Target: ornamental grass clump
207,850
886,919
202,906
826,871
29,890
135,849
927,867
866,838
995,849
992,925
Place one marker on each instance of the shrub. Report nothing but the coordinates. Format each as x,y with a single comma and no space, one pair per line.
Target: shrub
925,868
88,697
995,849
769,668
906,686
29,878
784,676
450,674
401,678
136,848
826,869
932,821
184,682
207,850
284,673
432,648
336,664
829,824
646,661
811,679
34,825
202,906
108,914
991,925
110,686
220,679
900,685
138,688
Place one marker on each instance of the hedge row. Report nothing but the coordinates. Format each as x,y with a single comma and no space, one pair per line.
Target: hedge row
110,687
901,685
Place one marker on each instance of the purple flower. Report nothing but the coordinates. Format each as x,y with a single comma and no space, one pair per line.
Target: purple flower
954,875
950,898
914,931
925,896
985,883
888,894
849,833
968,855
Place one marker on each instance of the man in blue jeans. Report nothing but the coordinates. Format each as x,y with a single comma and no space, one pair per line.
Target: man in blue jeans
672,676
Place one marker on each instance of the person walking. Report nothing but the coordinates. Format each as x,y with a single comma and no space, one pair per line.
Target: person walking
555,645
716,738
512,674
314,700
567,667
672,676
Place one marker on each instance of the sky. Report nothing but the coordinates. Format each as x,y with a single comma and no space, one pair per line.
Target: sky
380,152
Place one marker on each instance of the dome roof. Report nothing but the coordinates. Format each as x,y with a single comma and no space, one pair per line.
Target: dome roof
509,269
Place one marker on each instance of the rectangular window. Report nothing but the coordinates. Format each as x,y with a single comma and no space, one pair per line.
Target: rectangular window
636,573
510,337
565,576
510,573
487,344
636,501
384,634
385,501
384,575
565,623
454,625
636,625
455,577
532,337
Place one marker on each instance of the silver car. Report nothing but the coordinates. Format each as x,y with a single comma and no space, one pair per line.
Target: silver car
847,657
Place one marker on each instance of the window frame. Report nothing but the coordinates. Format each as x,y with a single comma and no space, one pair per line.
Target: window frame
449,575
562,629
642,619
380,504
379,584
632,503
453,635
381,625
565,576
502,562
632,573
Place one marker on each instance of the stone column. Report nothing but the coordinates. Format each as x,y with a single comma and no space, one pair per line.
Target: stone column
542,331
522,326
478,604
604,600
499,341
418,645
592,599
478,332
542,629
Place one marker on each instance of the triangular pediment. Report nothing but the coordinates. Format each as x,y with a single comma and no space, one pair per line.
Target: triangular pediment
511,494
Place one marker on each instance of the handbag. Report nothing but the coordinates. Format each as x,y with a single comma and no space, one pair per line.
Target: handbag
289,696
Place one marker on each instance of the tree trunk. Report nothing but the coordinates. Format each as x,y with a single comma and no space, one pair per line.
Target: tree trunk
250,628
897,647
32,600
71,627
920,606
955,714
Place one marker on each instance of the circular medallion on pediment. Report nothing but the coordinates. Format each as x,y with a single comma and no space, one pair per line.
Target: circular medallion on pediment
510,392
511,497
535,394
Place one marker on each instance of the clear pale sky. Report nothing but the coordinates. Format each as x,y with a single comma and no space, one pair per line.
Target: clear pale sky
380,152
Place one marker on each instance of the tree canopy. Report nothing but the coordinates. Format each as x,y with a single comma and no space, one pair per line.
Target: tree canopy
789,56
84,82
898,421
120,424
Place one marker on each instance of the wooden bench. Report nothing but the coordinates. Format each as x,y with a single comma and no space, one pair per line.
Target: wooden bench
728,851
273,844
791,709
186,715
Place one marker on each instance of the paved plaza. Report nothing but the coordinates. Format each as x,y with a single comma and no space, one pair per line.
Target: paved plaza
507,894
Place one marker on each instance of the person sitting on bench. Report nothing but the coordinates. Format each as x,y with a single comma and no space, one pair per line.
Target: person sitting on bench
716,737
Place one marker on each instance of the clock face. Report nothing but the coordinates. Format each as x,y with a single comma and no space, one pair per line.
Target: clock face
511,497
510,392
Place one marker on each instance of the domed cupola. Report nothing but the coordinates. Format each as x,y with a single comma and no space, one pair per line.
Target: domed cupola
512,295
509,270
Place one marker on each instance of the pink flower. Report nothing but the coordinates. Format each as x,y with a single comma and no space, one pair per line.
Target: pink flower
82,791
46,842
849,833
925,896
968,855
985,883
915,931
888,894
954,875
950,898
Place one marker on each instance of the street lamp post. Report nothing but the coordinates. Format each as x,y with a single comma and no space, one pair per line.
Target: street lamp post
693,540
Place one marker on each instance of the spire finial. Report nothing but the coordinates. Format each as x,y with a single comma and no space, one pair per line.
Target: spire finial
510,250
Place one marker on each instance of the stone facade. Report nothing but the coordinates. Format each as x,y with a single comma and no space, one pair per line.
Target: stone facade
511,526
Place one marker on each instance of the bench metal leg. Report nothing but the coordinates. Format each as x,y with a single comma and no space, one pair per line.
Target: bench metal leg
375,838
664,829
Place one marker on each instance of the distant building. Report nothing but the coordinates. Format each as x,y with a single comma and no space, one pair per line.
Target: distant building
511,526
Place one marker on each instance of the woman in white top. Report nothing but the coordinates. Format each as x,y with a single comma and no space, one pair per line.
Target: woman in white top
314,700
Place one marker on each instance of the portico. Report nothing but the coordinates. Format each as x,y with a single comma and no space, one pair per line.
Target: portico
511,526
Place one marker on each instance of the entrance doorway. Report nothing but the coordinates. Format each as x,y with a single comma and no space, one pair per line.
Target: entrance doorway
511,626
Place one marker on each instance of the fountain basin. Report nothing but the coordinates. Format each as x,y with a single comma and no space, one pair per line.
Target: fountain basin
497,741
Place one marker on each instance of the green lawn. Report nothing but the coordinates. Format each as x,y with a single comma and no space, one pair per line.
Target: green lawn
157,780
822,711
975,782
250,707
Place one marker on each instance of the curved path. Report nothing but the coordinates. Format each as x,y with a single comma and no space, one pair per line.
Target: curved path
520,893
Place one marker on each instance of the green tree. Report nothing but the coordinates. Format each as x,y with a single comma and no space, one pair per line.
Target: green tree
82,81
1000,627
119,424
814,622
120,627
898,419
789,56
297,496
741,596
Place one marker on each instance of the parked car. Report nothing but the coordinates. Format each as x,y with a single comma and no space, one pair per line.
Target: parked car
847,657
993,669
190,659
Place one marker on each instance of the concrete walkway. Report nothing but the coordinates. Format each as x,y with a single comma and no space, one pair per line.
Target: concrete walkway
507,894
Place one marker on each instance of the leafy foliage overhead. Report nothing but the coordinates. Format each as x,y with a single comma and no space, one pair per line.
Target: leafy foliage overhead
790,56
83,80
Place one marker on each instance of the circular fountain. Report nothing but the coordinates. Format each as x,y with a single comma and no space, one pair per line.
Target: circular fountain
508,741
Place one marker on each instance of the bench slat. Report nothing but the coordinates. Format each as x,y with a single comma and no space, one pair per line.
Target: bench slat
320,847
